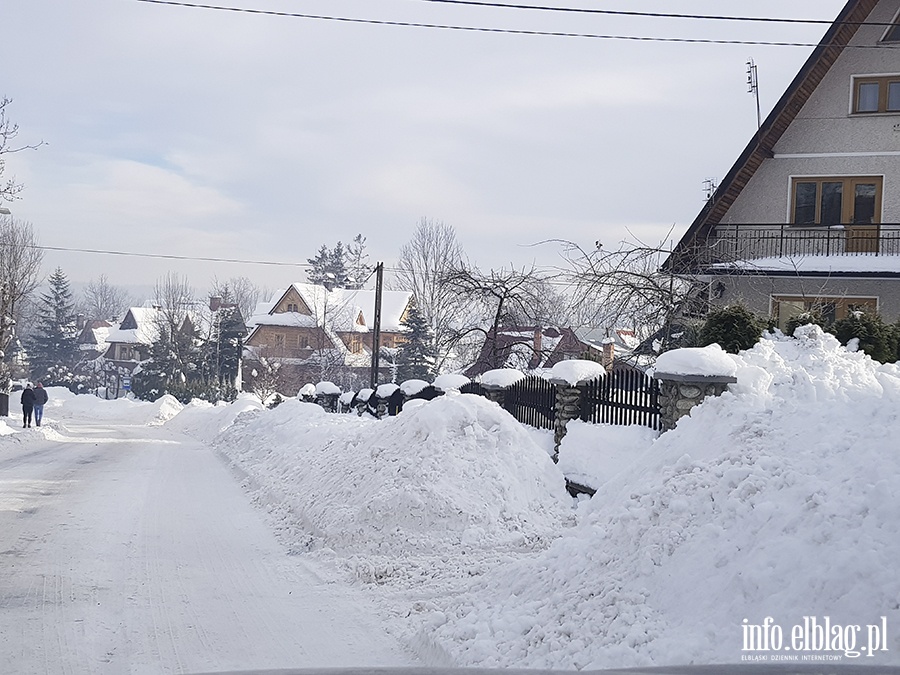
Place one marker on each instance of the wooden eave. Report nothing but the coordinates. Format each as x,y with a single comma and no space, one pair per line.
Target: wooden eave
761,146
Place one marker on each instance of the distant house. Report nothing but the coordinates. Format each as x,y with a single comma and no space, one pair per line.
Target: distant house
92,338
129,344
808,218
530,348
315,333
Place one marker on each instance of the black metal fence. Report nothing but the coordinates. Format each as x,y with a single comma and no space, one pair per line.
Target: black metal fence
532,401
622,397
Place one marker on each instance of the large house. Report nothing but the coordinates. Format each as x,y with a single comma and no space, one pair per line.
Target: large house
315,333
808,218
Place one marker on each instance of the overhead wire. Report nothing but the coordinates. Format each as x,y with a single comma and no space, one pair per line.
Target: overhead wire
652,15
483,29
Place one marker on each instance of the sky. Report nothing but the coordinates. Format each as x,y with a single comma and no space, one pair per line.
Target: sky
201,133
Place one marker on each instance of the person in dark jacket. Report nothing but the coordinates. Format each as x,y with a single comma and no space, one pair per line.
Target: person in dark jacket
27,405
40,398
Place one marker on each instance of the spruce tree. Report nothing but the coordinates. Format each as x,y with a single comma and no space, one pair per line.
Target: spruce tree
53,350
329,267
415,359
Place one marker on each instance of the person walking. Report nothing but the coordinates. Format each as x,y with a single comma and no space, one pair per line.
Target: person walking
40,398
27,405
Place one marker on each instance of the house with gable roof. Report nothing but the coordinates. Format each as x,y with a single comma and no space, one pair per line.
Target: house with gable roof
318,333
808,218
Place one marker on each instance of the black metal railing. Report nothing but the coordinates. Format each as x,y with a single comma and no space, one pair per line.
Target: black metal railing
752,242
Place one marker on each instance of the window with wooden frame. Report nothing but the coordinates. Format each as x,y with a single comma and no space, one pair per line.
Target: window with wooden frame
278,340
876,94
786,307
847,200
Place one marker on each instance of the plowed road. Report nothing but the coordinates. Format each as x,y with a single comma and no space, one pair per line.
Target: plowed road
131,549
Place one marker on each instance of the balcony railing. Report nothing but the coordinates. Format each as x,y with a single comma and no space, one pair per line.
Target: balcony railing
752,242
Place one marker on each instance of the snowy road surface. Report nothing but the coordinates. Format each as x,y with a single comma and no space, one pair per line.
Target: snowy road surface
132,549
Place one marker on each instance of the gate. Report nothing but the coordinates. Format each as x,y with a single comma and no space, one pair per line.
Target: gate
621,397
532,401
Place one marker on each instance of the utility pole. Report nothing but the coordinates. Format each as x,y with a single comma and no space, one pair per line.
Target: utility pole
753,88
376,327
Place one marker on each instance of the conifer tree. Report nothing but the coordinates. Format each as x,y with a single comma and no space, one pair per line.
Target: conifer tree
415,359
53,349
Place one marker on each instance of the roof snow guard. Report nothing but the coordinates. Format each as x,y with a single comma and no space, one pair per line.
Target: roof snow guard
783,114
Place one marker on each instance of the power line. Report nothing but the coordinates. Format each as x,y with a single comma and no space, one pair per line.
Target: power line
480,29
167,256
653,15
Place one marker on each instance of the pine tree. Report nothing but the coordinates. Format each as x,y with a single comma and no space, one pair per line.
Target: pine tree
416,358
53,350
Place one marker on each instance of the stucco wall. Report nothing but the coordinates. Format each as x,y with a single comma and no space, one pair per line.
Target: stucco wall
755,292
824,126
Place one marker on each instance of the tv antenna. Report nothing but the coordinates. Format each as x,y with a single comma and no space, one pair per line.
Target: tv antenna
753,88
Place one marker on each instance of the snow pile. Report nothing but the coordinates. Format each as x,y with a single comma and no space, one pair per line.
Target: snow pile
205,421
165,408
413,387
707,361
386,390
777,500
591,454
327,389
501,377
576,370
427,493
450,381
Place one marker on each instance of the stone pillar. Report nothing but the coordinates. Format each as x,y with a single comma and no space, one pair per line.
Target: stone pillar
678,394
567,407
496,394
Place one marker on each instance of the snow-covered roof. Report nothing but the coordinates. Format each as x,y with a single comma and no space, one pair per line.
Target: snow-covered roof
141,327
339,309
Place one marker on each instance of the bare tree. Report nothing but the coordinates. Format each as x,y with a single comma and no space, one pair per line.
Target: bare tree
501,298
9,188
425,262
238,290
20,265
174,296
357,262
102,300
626,288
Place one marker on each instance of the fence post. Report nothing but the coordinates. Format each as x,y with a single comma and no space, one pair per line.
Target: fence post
567,407
679,394
495,393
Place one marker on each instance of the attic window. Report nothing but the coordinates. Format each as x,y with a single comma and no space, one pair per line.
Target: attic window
292,307
893,33
876,94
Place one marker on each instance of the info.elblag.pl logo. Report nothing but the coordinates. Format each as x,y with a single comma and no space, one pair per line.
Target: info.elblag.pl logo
813,639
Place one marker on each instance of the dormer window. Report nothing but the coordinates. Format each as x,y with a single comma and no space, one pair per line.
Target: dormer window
876,94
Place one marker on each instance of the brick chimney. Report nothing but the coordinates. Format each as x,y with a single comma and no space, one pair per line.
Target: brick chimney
538,339
609,353
215,302
79,321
